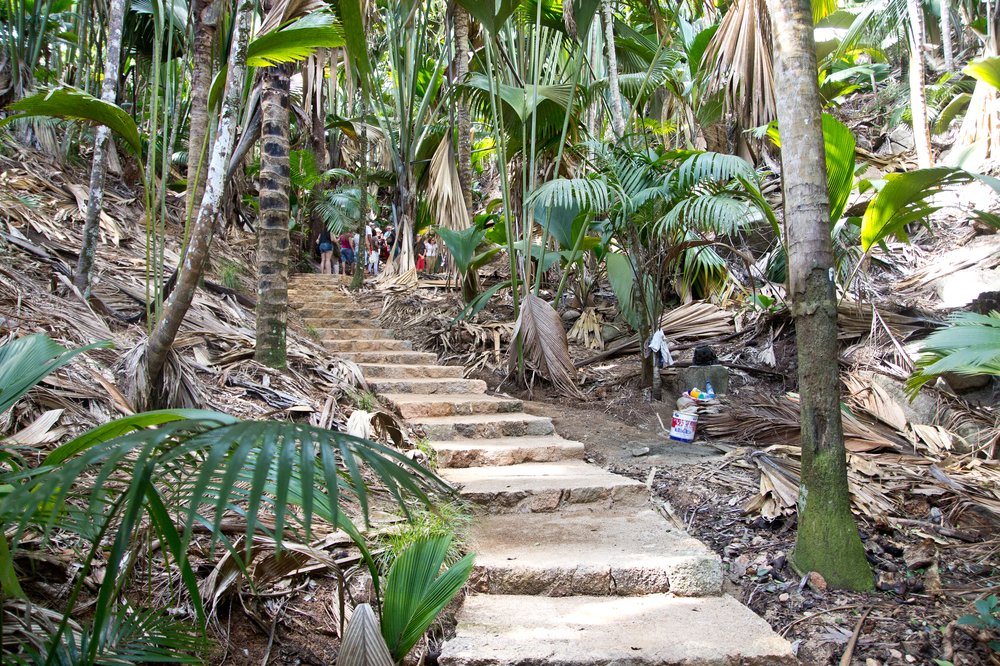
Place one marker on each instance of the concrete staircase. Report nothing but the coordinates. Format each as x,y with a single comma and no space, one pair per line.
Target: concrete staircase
573,566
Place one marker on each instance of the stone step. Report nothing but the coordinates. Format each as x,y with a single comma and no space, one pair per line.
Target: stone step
368,345
318,279
505,451
588,552
482,426
426,385
401,357
377,371
416,405
326,318
316,296
357,333
545,487
653,630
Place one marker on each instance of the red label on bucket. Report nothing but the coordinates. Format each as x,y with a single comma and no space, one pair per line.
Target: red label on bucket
682,426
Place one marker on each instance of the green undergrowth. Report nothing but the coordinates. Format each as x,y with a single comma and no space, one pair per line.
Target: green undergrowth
448,519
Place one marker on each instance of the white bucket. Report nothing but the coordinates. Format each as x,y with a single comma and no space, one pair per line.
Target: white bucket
682,426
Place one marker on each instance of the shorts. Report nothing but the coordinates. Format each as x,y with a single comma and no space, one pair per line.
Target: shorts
326,247
347,255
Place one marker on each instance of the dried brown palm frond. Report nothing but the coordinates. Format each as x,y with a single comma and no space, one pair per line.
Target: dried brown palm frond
764,420
697,319
444,189
390,280
543,341
742,64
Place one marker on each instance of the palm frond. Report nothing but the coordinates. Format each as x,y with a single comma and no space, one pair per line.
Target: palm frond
581,193
968,345
543,340
26,361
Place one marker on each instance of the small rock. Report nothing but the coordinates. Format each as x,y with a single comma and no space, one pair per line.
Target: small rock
784,596
919,557
895,654
571,315
741,564
872,662
816,582
640,451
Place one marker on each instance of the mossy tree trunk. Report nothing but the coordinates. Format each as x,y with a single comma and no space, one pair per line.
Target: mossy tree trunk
161,339
99,166
272,225
361,253
827,541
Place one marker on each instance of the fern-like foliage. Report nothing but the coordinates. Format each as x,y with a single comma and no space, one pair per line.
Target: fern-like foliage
968,345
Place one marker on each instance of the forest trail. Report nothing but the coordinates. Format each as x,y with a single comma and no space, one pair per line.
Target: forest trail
574,567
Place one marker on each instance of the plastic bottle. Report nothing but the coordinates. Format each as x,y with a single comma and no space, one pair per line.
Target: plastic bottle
709,390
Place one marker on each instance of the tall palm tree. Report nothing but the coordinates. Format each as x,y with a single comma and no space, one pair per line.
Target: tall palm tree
918,94
99,166
272,226
617,115
827,539
205,16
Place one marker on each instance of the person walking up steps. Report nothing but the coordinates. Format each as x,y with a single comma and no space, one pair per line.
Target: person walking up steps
325,244
347,253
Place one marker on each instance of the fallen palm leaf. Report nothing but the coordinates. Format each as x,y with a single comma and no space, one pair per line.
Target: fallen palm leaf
587,330
543,342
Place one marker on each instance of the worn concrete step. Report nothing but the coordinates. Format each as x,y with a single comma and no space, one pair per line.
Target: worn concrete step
590,552
317,296
378,371
505,451
653,630
318,279
482,426
382,345
358,333
401,357
427,385
323,317
416,405
545,487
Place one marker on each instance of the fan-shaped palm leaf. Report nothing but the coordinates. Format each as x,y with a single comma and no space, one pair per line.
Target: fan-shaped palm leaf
969,345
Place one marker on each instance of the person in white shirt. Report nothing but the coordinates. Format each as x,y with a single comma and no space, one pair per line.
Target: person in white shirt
431,253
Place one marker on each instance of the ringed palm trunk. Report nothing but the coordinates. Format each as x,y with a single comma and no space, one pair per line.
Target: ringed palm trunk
462,112
918,96
361,256
206,17
617,115
272,226
827,540
99,166
947,47
176,306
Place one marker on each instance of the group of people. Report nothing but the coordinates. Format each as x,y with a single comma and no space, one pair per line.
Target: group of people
340,254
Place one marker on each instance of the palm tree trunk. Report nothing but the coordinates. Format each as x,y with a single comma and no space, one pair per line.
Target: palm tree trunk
99,166
918,96
617,115
361,254
827,539
206,18
946,44
175,308
272,226
462,112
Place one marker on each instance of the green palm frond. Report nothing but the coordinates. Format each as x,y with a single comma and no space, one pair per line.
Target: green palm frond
73,104
986,70
968,345
295,42
205,469
583,193
701,167
417,590
26,361
339,209
723,212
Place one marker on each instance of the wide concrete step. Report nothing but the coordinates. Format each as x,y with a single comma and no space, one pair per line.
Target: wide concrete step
428,385
588,552
505,451
545,487
327,318
378,371
401,357
318,279
654,630
320,297
416,405
382,345
358,333
482,426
